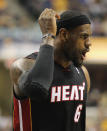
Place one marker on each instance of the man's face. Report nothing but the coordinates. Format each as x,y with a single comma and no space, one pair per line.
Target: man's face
78,44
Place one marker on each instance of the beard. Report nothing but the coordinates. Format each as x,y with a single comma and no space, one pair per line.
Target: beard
75,58
73,54
77,62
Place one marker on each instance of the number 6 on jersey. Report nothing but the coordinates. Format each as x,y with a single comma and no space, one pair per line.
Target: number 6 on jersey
78,113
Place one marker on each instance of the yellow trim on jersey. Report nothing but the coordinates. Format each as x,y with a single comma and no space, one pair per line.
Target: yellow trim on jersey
30,113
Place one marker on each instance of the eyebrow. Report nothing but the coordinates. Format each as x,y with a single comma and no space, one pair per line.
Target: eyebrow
86,33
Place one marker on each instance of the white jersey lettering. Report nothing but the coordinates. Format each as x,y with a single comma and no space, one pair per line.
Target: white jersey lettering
56,94
67,93
81,88
74,93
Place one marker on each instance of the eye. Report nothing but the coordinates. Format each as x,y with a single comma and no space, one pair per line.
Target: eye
84,36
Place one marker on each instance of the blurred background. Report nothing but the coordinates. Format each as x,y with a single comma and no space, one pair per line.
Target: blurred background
20,35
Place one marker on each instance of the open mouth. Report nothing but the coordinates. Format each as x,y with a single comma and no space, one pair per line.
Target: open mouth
83,53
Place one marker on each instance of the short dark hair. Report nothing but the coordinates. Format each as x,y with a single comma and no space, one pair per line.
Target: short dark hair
70,19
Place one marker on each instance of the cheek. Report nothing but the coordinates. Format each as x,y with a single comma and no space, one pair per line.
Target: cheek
81,43
80,46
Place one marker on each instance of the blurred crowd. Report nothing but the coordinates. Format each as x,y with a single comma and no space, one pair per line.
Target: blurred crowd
21,13
12,15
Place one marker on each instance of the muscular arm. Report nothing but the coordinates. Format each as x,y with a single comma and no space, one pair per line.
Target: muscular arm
87,77
35,82
33,79
17,69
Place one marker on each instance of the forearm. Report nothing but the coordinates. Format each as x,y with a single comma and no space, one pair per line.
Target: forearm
37,81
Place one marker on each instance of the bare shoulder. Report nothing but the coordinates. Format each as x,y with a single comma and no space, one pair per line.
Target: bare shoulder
20,66
85,70
87,76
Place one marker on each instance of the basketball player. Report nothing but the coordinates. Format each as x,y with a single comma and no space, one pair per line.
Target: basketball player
50,87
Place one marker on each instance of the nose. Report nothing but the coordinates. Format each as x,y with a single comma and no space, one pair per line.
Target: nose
88,43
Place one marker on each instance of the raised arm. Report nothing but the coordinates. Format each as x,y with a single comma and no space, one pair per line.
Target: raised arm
35,82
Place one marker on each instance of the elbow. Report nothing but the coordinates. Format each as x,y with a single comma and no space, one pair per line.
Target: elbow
34,90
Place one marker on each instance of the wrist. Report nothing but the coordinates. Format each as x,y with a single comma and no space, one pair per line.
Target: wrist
48,35
48,39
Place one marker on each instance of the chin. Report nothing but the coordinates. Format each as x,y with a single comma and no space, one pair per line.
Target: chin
78,63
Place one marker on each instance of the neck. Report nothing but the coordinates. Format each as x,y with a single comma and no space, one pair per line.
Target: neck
60,58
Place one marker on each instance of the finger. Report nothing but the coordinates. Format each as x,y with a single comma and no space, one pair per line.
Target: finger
44,12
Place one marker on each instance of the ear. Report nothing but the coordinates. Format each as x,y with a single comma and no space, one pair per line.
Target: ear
63,34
